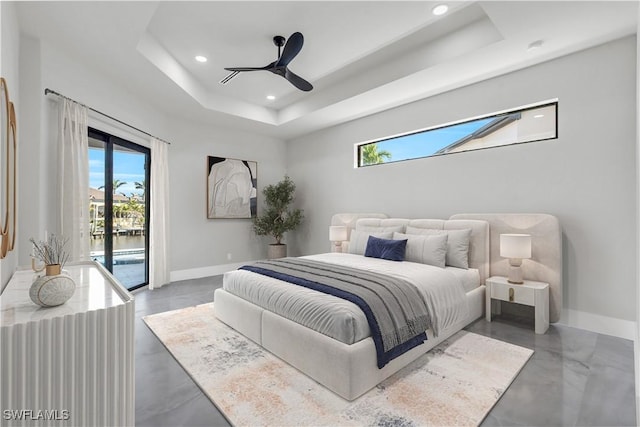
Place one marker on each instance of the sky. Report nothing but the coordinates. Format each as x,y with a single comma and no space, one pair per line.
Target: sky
426,143
127,167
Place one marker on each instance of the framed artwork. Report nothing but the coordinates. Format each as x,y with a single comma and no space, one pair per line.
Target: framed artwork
232,188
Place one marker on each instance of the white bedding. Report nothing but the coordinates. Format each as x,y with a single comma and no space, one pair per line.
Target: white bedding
340,319
469,278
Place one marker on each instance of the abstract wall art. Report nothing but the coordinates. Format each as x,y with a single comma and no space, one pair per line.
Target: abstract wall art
231,188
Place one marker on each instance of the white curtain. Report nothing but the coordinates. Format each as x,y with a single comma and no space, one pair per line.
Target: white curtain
74,178
159,222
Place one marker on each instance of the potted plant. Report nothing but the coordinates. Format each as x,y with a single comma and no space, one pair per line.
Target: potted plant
55,287
277,218
52,253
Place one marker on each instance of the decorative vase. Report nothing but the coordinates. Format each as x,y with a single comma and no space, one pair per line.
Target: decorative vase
52,289
277,251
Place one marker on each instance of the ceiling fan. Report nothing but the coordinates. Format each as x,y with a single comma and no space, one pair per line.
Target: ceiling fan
279,66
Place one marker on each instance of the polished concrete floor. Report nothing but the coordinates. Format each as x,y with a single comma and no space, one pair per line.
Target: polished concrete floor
574,378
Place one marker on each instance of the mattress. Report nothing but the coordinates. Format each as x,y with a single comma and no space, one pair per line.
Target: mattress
339,318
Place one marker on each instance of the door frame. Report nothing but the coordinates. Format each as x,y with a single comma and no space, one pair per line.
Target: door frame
109,142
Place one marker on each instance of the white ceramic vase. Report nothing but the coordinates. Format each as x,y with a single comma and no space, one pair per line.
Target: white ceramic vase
52,290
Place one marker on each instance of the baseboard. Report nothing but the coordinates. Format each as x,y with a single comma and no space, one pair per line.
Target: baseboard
601,324
196,273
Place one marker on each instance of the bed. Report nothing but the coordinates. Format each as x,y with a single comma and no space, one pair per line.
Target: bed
329,338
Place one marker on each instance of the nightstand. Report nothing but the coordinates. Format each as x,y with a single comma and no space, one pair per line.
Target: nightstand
534,294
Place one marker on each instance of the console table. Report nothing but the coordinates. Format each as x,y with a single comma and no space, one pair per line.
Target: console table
68,365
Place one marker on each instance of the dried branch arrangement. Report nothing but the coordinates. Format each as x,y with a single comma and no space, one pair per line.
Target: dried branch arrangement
52,251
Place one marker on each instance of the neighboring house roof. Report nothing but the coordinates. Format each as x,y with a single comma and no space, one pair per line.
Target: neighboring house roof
489,128
96,195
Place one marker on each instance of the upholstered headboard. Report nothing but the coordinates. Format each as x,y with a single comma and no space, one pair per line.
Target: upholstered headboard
545,264
349,219
478,243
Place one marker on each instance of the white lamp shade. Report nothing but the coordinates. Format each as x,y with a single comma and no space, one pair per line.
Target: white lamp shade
515,245
337,233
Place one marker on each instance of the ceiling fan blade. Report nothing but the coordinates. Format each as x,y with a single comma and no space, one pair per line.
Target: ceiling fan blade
238,69
231,75
291,49
297,81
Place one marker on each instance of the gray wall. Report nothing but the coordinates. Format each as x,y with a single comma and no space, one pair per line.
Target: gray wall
195,242
586,177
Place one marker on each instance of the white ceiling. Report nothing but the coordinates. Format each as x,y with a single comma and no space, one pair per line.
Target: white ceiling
361,56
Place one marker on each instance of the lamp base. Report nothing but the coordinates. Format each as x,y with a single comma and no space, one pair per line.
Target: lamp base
515,271
336,247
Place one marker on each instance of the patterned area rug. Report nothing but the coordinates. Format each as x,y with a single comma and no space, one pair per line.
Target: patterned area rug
456,383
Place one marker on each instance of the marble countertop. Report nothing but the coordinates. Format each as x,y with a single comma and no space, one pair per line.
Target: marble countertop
96,289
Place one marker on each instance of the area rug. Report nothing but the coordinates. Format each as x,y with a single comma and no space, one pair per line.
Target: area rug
456,383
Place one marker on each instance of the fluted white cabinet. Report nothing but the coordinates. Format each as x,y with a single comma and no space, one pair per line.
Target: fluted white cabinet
70,365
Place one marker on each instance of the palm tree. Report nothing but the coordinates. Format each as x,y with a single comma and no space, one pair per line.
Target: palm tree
141,186
370,155
116,184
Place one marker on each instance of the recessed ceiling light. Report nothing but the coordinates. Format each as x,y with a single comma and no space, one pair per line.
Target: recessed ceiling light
440,9
271,97
535,45
201,58
538,116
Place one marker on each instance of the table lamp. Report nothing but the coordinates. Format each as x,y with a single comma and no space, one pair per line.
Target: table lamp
337,235
515,247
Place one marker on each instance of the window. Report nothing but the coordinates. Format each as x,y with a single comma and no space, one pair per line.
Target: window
528,124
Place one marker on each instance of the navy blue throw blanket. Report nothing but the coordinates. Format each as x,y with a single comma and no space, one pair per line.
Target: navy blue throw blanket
394,308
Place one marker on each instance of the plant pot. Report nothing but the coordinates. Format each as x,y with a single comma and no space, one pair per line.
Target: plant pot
277,251
52,289
53,269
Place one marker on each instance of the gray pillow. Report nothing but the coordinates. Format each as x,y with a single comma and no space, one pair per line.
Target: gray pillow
359,239
457,244
425,249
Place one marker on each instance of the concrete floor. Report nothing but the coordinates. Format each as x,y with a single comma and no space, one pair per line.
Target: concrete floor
574,378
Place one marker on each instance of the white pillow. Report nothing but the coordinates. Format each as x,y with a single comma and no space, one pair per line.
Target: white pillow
430,250
359,239
457,244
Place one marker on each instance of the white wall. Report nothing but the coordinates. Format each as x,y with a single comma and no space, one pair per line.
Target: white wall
9,69
195,242
586,177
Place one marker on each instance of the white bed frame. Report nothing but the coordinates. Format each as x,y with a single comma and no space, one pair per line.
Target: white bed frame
350,370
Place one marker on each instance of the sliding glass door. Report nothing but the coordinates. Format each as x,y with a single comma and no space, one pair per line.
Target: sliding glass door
119,208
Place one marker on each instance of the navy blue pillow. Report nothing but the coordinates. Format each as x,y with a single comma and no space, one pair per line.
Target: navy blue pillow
393,250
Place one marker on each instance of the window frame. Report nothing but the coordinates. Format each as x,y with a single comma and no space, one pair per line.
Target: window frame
504,113
109,141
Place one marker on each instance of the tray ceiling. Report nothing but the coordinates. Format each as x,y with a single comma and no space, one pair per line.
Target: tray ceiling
361,56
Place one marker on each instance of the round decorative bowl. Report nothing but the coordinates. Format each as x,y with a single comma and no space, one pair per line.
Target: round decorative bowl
49,291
